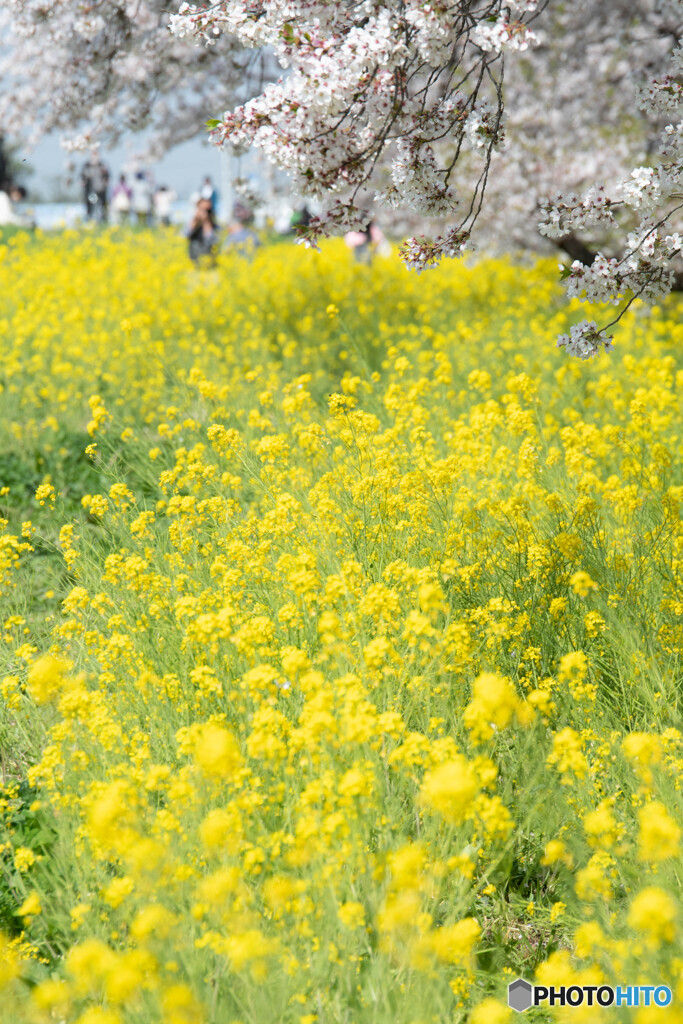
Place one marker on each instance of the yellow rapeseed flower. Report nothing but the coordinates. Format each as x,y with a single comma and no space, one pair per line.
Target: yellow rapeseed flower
450,789
654,913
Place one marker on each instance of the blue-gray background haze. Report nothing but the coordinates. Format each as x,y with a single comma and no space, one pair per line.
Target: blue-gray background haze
182,169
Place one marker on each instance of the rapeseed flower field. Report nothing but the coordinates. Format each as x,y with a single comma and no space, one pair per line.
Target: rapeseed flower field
342,623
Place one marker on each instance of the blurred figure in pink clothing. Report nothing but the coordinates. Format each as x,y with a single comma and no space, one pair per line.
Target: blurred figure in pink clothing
365,243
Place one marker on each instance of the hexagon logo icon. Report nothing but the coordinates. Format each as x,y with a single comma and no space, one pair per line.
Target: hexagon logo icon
520,995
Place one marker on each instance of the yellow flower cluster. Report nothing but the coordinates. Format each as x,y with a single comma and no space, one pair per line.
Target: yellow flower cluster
362,696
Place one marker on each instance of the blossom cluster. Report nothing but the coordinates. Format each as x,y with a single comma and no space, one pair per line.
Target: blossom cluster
100,71
651,196
585,340
370,89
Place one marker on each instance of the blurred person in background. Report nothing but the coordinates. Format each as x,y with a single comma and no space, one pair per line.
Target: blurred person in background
95,181
209,192
164,197
366,242
120,201
141,198
202,234
301,218
241,236
10,194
